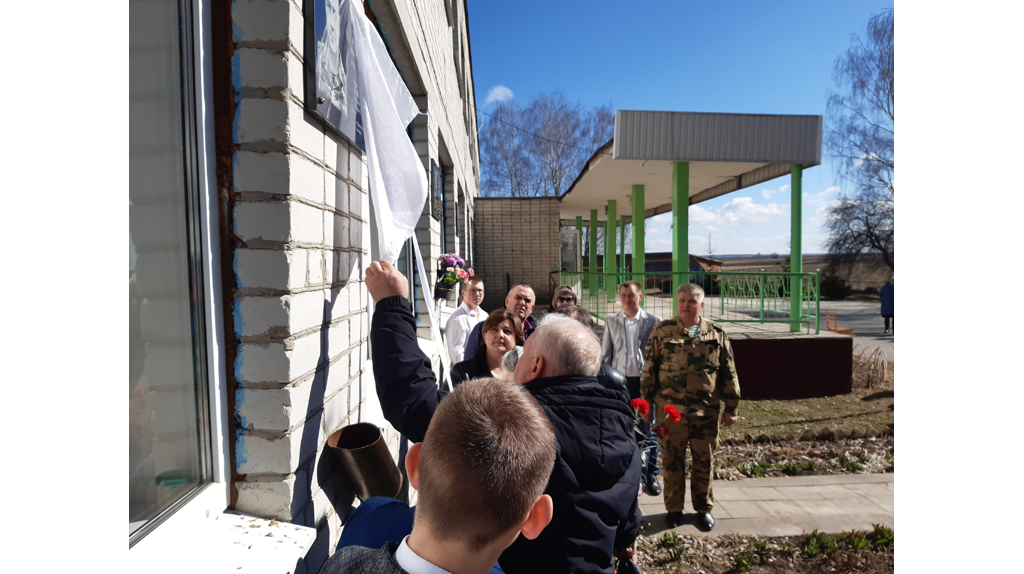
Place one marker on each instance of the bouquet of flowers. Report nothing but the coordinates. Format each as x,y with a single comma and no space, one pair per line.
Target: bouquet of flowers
450,269
641,407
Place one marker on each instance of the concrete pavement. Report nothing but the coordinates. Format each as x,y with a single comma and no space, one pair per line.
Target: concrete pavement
788,506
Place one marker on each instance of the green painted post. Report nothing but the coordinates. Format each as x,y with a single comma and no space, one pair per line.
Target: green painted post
796,257
680,227
817,301
639,256
622,247
761,283
592,255
609,251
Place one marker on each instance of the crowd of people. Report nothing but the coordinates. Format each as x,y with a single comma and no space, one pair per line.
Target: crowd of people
535,461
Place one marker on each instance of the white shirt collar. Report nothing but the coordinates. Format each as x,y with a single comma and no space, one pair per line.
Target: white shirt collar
469,311
639,315
412,563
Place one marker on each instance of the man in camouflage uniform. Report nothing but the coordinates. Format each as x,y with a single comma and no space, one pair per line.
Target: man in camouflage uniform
689,365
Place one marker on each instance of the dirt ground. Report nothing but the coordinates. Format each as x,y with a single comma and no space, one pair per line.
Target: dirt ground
816,552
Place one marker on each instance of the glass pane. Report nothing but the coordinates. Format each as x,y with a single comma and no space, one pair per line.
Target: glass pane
165,423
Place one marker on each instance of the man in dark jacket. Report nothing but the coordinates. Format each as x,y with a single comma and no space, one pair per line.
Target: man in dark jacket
596,478
519,301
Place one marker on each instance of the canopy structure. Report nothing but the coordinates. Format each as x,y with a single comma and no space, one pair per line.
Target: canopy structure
670,160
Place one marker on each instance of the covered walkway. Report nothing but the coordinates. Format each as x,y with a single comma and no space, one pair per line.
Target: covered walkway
669,161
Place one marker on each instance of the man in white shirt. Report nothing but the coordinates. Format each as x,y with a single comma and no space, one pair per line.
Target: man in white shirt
462,321
623,347
481,472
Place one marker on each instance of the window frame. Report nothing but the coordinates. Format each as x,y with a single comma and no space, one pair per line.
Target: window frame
213,495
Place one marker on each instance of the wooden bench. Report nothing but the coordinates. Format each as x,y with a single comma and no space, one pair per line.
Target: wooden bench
830,324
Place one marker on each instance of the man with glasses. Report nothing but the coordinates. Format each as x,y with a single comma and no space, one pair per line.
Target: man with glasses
623,347
464,319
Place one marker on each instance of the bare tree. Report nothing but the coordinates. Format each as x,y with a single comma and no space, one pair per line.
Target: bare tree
539,150
860,136
507,165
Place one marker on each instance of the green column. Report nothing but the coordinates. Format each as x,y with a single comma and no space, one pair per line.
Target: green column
622,248
592,255
579,239
796,252
639,257
680,227
609,251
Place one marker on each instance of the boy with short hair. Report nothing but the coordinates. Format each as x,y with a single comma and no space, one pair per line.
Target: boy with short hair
481,472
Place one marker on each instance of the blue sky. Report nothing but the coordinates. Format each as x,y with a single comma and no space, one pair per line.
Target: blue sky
745,57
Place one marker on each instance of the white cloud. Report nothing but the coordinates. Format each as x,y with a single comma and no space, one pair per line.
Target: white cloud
699,215
743,211
768,193
822,197
498,93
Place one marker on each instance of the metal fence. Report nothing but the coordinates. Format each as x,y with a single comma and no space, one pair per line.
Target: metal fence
729,297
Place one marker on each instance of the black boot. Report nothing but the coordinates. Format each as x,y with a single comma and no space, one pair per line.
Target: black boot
652,487
705,522
673,519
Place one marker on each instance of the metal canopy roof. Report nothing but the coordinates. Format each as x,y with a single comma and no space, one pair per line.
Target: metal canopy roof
727,152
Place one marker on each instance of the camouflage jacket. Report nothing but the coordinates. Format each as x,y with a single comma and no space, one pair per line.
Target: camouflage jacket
694,372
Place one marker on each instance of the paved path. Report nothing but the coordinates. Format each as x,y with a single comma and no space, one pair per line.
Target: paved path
788,506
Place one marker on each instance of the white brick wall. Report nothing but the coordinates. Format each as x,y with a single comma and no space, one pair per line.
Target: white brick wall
299,221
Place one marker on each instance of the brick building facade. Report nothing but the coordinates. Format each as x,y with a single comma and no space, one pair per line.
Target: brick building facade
516,242
284,232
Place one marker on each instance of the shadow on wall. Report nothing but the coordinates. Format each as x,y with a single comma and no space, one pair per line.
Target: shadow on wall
332,480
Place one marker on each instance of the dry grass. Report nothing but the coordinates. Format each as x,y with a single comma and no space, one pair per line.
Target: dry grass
816,552
862,408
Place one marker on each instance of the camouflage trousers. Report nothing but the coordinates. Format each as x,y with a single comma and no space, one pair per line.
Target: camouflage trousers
700,433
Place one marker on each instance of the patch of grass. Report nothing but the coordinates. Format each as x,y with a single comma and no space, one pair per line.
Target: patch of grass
788,549
809,466
847,553
882,535
820,544
671,538
791,469
743,563
858,542
782,416
853,466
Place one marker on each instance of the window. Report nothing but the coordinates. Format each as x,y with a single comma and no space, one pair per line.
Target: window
169,434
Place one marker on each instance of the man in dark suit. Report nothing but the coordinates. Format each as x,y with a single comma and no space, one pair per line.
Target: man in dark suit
480,471
596,475
625,341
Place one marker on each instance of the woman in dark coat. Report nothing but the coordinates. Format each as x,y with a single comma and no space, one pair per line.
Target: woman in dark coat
886,295
501,332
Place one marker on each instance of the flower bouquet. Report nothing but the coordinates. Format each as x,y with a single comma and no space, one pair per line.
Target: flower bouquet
641,408
450,273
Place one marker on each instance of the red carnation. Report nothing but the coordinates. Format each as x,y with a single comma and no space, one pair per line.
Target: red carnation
673,414
664,431
641,406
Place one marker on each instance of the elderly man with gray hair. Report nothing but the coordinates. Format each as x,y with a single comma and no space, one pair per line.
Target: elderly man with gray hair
596,476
